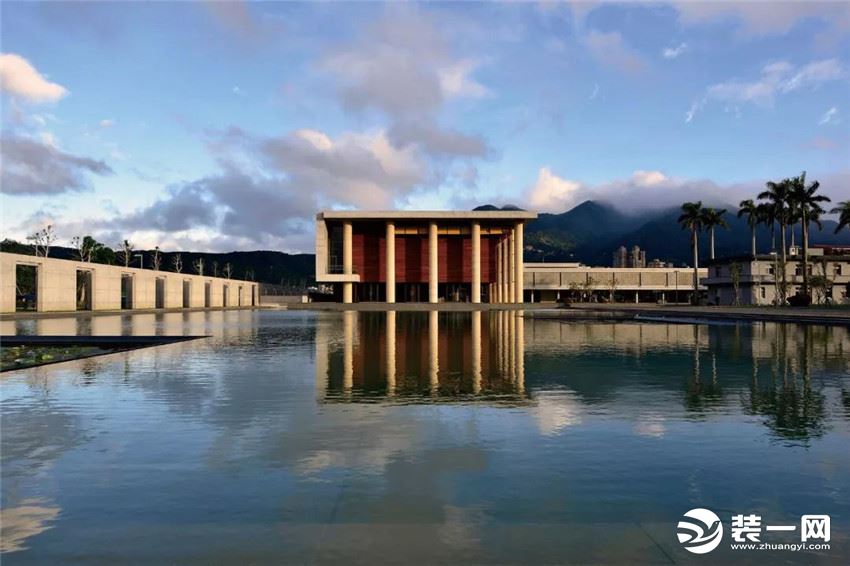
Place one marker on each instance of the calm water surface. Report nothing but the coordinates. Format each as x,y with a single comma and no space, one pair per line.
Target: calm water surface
421,437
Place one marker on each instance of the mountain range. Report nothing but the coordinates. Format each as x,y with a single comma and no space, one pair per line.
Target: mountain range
592,231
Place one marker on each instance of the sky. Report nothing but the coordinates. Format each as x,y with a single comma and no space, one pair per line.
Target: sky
222,126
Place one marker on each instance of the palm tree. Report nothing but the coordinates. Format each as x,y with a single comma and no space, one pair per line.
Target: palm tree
843,212
777,195
806,203
691,219
712,218
767,216
751,210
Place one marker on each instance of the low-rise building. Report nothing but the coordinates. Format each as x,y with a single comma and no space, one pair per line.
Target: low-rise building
46,284
756,280
545,282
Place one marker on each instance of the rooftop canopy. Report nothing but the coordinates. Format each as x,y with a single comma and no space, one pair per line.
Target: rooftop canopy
426,215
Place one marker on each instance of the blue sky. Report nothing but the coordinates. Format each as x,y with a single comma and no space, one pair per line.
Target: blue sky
225,126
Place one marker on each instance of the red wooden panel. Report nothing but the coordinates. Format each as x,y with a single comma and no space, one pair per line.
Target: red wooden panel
450,259
411,256
368,253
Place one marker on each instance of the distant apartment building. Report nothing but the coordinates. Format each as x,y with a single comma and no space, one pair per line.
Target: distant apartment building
749,280
635,257
658,264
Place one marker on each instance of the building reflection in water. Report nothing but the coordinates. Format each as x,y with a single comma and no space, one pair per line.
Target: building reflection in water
421,357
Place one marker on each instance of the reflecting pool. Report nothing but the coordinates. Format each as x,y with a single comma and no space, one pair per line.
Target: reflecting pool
421,437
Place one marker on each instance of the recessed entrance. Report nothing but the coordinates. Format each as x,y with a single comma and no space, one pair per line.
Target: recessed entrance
187,294
84,290
207,294
159,293
224,295
26,288
126,291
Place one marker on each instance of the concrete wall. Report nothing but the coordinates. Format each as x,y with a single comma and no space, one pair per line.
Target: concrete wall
57,286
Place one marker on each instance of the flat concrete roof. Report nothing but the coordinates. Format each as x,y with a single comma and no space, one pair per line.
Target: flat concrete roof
426,215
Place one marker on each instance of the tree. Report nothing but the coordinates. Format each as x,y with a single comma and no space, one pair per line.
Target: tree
691,219
215,268
126,253
199,266
156,258
177,263
767,216
750,209
735,275
42,240
821,285
806,202
87,248
228,270
778,196
843,212
711,219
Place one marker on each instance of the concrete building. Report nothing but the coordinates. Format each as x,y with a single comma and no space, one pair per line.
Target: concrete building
635,257
758,277
30,283
562,281
415,256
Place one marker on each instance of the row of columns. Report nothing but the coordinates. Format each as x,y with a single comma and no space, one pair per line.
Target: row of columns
508,287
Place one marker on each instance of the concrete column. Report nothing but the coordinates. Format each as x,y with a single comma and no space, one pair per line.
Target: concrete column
512,267
390,262
503,272
433,275
518,263
497,284
347,262
476,262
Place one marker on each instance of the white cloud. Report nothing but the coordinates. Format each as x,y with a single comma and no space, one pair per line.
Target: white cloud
455,80
674,52
762,18
19,78
643,190
830,117
610,49
106,123
551,193
780,77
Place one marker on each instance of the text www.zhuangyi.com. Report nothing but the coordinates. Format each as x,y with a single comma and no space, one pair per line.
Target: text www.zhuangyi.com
795,547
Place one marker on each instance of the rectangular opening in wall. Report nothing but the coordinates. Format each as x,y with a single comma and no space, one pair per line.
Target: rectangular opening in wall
239,297
253,295
207,294
159,293
224,293
187,292
26,288
126,291
84,290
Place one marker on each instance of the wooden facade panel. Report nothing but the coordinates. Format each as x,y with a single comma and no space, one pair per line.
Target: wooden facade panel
454,257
